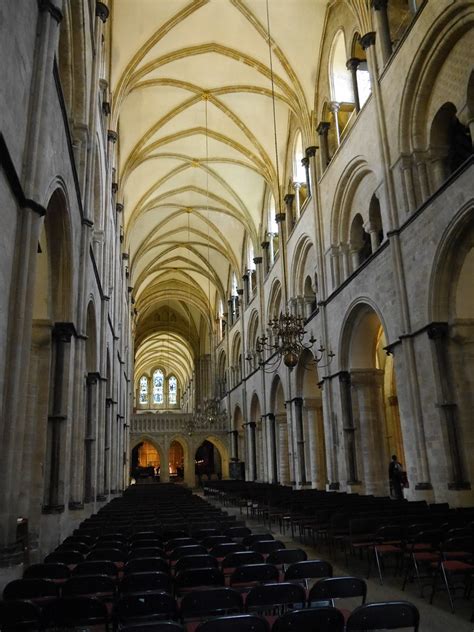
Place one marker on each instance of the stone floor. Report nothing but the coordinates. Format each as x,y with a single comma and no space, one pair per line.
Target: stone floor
433,618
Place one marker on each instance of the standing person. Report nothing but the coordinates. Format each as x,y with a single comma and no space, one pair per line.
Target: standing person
395,477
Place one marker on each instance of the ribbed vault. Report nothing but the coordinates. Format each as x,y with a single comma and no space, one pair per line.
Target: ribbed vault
192,104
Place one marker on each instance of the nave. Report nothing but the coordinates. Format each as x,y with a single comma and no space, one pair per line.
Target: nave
164,559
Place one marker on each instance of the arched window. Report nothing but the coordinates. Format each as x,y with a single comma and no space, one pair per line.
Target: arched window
361,248
299,172
362,74
143,399
340,78
158,379
172,390
252,275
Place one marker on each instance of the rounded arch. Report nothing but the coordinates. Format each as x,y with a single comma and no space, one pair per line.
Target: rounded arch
339,77
223,452
420,94
303,265
274,305
92,355
135,441
361,323
59,247
277,396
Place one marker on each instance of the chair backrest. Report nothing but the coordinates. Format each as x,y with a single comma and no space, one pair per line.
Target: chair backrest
462,545
338,588
309,569
235,623
147,543
80,547
30,589
154,626
148,606
202,534
195,561
287,556
192,549
214,540
19,615
256,537
64,557
96,567
69,612
199,577
211,601
113,555
267,596
173,543
222,550
248,573
238,532
388,615
47,571
266,546
88,585
145,581
234,560
146,565
325,619
148,551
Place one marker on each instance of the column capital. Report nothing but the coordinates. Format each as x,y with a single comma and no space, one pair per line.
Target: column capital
280,217
92,377
367,377
118,207
353,63
102,11
367,40
379,5
334,106
312,403
288,199
257,260
252,425
305,161
298,401
311,151
437,331
64,331
265,244
51,8
112,136
240,291
245,277
323,128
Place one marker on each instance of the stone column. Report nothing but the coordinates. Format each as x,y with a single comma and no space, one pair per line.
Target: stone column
246,290
334,107
438,334
408,184
373,231
253,451
230,303
272,449
288,199
266,255
422,170
317,449
383,28
90,469
330,435
283,457
235,444
54,497
300,441
322,130
367,385
108,445
261,450
346,260
348,426
305,163
352,65
280,219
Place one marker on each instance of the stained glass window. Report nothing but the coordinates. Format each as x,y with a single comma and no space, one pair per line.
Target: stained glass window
144,390
172,390
158,379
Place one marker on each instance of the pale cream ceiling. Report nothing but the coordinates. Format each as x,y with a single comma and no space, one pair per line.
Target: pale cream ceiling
193,109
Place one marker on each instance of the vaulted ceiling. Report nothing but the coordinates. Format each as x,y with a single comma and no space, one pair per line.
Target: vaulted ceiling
192,104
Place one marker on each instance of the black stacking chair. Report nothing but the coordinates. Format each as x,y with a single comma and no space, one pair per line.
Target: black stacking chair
54,571
220,551
174,543
310,569
146,551
325,619
266,599
210,602
72,612
387,615
145,582
265,547
195,561
247,575
154,626
192,578
213,540
234,560
256,537
146,565
145,607
16,616
96,567
101,586
37,590
235,623
191,549
284,557
70,558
